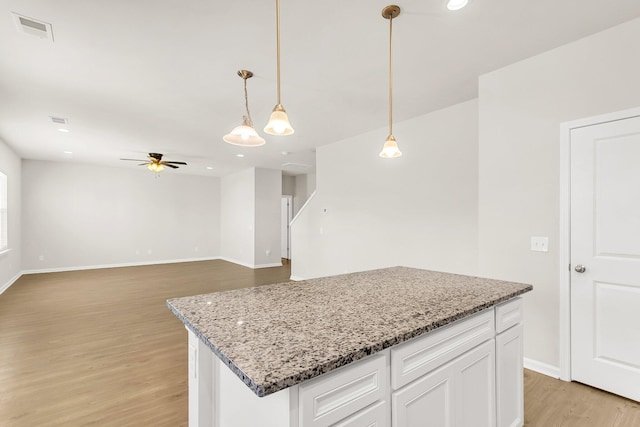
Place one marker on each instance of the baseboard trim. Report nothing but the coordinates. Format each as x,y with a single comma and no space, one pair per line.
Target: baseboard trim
273,264
10,282
542,368
252,266
124,264
296,278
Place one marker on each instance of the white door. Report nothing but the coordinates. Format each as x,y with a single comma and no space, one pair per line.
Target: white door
605,256
286,217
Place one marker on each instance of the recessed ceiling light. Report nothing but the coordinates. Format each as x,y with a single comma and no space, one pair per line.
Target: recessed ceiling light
456,4
285,153
209,167
63,130
239,155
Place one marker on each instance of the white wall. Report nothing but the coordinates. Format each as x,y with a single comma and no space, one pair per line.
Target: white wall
237,217
268,196
521,108
288,185
305,185
78,215
300,194
250,217
418,210
11,262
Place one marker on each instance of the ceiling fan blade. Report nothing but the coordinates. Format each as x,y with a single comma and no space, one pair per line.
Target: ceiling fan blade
175,163
144,164
171,166
135,160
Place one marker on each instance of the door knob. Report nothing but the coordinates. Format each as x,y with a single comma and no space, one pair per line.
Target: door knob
580,268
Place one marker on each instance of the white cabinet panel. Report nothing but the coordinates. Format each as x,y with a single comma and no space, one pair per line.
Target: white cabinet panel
338,394
428,398
475,387
508,314
509,378
376,415
417,357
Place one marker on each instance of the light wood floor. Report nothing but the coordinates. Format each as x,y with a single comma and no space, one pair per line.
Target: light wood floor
100,348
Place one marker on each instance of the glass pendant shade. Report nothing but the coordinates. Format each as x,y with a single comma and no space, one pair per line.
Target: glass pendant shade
278,122
244,135
390,148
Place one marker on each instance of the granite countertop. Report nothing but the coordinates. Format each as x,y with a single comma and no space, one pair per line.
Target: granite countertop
276,336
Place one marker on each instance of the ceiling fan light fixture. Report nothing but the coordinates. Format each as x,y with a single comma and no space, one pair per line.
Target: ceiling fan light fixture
245,135
278,121
155,167
456,4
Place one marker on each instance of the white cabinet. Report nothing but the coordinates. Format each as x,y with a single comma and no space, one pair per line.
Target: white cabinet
343,392
509,378
428,398
376,415
475,402
465,374
459,393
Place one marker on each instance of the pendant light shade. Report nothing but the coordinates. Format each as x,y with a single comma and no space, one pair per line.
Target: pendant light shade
245,135
278,121
390,148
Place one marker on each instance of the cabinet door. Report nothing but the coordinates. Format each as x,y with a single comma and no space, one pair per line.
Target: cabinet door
509,378
376,415
475,387
426,401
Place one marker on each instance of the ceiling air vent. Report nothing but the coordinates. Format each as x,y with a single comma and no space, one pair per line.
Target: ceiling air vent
295,166
33,27
59,120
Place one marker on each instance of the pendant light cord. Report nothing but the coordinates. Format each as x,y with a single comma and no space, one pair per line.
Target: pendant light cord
246,101
278,44
390,78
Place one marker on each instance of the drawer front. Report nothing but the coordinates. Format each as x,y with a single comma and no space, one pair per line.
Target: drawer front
421,355
508,314
376,415
335,396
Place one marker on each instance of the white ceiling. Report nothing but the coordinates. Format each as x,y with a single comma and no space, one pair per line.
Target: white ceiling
145,76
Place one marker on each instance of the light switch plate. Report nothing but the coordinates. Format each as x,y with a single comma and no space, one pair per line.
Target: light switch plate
539,244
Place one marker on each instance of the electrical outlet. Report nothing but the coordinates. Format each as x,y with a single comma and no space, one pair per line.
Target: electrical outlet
540,244
41,257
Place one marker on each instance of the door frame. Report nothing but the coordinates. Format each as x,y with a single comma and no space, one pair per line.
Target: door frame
288,230
565,228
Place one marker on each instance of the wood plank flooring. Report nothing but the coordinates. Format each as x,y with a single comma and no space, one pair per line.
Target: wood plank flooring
100,348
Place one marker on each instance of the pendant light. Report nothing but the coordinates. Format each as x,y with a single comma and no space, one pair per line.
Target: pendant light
245,134
278,121
390,148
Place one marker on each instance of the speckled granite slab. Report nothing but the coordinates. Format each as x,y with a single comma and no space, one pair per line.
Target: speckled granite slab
276,336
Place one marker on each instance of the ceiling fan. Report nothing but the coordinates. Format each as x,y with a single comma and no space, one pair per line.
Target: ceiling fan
156,164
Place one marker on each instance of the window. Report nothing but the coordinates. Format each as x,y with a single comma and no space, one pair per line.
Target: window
3,212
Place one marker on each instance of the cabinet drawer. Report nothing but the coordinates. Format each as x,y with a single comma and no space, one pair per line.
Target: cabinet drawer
424,354
335,396
508,314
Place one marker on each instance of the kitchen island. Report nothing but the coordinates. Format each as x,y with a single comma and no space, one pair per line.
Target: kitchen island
382,347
